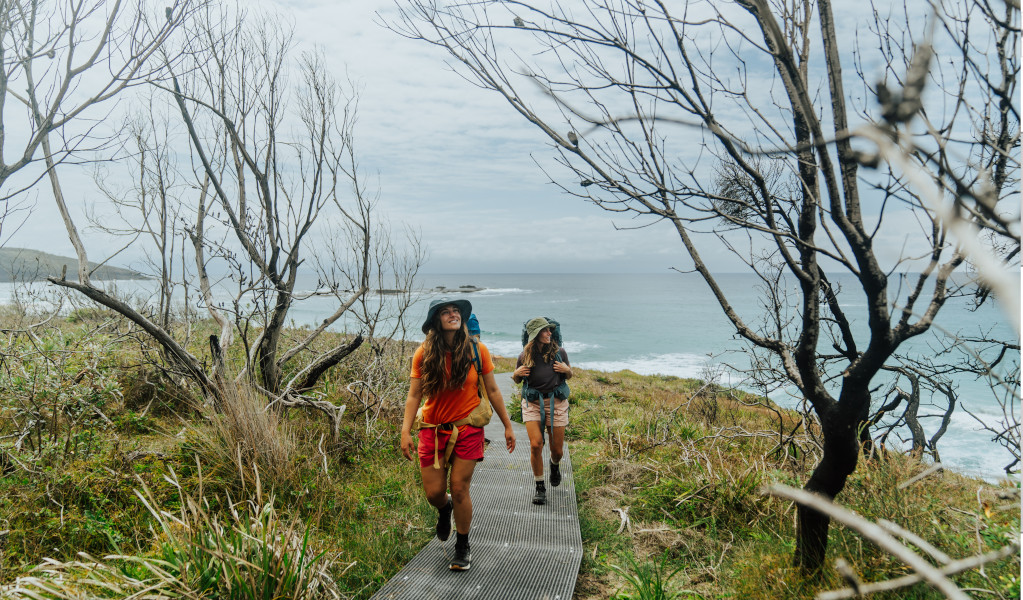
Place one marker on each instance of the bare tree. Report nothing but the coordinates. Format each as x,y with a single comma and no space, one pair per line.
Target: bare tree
725,122
271,161
59,61
934,383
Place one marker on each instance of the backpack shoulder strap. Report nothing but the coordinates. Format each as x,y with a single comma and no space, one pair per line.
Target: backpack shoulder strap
476,359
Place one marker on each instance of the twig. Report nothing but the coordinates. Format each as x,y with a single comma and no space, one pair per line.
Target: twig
976,524
956,566
721,559
324,455
916,540
691,494
624,514
926,473
850,575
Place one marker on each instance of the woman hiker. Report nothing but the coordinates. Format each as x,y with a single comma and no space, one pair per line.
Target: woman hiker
445,370
545,368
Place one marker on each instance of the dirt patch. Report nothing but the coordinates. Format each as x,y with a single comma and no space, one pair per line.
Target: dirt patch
601,501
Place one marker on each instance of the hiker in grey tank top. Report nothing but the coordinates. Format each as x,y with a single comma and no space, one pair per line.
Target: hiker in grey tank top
544,366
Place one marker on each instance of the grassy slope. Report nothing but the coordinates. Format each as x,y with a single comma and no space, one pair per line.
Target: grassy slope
686,466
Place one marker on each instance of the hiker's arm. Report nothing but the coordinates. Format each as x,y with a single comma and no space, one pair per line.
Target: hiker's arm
563,367
415,394
497,401
521,372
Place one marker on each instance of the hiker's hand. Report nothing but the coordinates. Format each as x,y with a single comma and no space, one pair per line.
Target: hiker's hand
521,372
509,439
407,444
560,367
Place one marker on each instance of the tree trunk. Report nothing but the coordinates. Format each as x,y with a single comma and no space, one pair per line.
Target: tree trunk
841,452
266,357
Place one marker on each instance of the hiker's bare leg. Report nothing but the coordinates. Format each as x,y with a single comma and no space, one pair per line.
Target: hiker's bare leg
535,447
557,444
461,477
435,485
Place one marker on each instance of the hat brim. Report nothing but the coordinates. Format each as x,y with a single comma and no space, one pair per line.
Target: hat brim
464,309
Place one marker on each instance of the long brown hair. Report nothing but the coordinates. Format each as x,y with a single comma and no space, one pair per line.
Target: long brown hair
435,377
546,353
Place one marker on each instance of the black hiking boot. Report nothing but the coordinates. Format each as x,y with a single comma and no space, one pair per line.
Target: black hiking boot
444,521
540,497
462,557
555,475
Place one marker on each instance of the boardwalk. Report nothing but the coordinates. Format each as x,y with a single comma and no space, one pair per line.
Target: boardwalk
519,551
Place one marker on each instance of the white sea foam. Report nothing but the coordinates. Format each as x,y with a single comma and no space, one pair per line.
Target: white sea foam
503,348
502,291
679,365
514,347
575,347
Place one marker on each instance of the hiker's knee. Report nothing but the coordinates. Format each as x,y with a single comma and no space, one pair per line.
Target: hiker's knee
459,491
437,497
536,446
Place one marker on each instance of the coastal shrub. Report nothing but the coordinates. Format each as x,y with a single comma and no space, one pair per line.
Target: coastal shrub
372,383
56,396
90,315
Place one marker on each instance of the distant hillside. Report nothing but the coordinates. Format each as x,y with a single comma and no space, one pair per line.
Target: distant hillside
22,264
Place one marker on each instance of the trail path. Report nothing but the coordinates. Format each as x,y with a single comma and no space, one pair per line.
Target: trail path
519,551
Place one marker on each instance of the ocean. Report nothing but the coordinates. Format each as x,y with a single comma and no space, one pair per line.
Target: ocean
670,324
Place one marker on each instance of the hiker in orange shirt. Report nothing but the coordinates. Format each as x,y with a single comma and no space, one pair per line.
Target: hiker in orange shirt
447,369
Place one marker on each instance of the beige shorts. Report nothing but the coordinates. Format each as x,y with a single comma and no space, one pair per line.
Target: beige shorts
531,411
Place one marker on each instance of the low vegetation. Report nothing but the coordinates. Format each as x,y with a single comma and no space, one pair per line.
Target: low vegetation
115,479
671,473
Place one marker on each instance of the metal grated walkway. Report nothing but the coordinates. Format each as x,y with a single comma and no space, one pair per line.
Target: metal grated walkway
519,551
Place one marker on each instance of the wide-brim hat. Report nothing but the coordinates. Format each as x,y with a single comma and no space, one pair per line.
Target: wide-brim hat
535,326
464,308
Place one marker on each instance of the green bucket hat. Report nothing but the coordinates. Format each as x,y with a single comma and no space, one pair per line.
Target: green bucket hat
535,326
464,308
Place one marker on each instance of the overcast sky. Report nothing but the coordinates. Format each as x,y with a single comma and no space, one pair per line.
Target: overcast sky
456,162
448,159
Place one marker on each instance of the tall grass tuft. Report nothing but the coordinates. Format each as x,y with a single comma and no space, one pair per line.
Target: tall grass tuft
248,553
247,438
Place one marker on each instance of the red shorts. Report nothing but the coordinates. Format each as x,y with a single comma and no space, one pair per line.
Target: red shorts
468,446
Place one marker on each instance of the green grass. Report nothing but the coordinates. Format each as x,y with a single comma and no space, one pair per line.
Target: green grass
691,470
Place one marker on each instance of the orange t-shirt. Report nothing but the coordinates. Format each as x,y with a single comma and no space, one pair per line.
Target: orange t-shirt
448,406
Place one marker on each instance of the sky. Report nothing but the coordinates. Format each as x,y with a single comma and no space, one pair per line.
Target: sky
448,159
